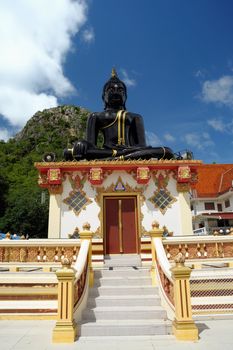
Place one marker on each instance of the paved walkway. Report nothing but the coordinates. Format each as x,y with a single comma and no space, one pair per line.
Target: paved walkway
36,335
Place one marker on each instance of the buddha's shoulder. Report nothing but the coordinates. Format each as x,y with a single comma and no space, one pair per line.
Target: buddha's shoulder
107,114
134,115
97,114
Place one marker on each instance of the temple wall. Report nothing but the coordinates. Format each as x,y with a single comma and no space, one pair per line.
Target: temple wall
69,220
171,218
177,217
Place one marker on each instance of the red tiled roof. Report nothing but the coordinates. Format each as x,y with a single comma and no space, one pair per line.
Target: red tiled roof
214,179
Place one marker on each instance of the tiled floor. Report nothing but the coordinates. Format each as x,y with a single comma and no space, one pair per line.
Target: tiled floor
36,335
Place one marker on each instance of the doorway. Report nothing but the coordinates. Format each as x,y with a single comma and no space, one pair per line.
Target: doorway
120,225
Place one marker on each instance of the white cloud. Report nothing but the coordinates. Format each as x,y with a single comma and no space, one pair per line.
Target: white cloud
217,124
152,139
127,80
4,134
88,35
23,107
35,37
221,126
198,140
219,91
168,137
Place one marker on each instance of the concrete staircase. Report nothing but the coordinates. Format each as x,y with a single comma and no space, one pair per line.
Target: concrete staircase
123,302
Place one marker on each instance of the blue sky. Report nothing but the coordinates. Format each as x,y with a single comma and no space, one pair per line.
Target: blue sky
176,57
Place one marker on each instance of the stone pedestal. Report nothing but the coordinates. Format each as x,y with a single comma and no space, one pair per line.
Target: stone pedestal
183,325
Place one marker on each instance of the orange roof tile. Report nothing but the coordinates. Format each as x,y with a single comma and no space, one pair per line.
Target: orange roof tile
214,179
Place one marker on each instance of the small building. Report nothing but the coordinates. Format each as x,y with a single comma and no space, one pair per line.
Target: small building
119,199
212,199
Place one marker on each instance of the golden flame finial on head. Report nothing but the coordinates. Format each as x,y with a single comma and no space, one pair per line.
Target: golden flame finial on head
114,73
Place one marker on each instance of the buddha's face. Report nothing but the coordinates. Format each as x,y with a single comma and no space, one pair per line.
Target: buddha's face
115,95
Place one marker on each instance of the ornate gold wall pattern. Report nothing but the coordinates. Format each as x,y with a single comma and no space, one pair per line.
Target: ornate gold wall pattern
23,254
37,253
98,233
162,198
143,230
183,187
111,189
55,189
76,181
127,190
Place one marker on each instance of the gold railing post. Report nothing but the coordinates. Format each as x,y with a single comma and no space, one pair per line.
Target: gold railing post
183,325
87,234
65,328
156,232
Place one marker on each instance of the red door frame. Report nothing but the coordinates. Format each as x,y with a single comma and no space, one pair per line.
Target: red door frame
126,221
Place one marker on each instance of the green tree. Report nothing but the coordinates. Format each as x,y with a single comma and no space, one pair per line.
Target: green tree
21,208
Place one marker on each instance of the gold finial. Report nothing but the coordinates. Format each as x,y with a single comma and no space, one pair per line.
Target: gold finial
114,73
66,263
179,259
86,226
155,225
8,235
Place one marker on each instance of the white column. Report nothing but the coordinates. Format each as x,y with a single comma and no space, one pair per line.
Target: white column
185,214
54,230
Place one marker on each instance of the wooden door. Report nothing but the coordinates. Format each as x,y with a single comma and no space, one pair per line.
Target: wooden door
120,225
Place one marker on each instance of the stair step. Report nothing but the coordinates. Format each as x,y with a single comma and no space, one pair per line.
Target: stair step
122,260
125,328
124,313
119,290
122,272
124,281
122,300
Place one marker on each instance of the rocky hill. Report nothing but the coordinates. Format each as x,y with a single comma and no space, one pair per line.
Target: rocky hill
54,129
22,209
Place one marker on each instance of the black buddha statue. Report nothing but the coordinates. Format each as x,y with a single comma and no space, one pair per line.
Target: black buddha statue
123,131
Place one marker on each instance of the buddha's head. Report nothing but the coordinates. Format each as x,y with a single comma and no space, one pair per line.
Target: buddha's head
114,93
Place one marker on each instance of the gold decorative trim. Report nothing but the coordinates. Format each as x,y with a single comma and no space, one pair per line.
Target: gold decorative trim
100,229
183,187
111,190
97,233
76,181
161,177
54,175
55,189
143,173
133,173
120,119
120,186
184,173
42,179
141,227
75,164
